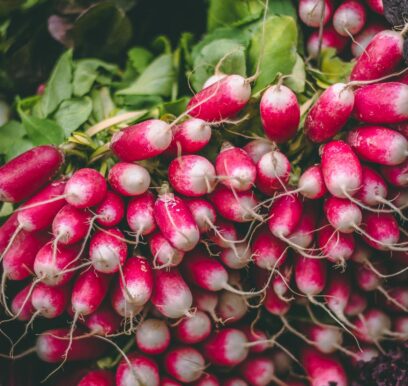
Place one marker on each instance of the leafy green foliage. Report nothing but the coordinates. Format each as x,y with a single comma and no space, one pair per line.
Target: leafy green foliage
72,113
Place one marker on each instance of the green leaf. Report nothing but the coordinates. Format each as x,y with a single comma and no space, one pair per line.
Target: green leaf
297,79
282,7
175,108
72,113
18,147
139,58
334,70
9,133
140,102
59,85
102,103
279,52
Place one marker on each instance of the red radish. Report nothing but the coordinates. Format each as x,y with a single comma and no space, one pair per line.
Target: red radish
379,144
330,39
108,250
85,188
341,169
195,329
310,275
336,246
236,257
164,254
191,175
311,183
185,364
110,211
400,324
21,305
235,168
342,214
225,235
203,212
381,230
166,381
326,338
269,251
356,304
226,347
139,214
337,293
272,172
323,369
213,79
256,335
330,112
141,141
280,113
373,190
153,336
382,103
24,175
190,136
50,268
98,378
207,380
376,6
7,229
399,295
175,221
284,216
396,175
303,235
280,281
122,304
258,370
235,206
257,148
403,126
349,18
274,304
142,371
231,307
171,295
104,321
372,325
49,302
221,100
129,179
206,301
311,11
234,381
381,57
363,39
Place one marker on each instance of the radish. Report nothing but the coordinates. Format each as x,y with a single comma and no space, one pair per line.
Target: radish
164,254
349,18
283,362
257,148
231,307
166,381
141,141
24,175
365,354
153,336
314,12
21,306
400,324
237,257
363,39
129,179
171,295
107,250
343,215
139,215
207,380
193,330
330,39
376,6
274,304
98,378
256,335
310,276
396,175
235,168
190,137
258,370
397,298
137,370
402,127
330,113
341,169
191,175
204,214
123,304
234,381
326,338
206,301
175,221
272,172
373,190
311,183
303,235
323,369
379,144
52,349
382,103
381,231
104,321
110,211
185,364
235,206
372,325
221,100
225,235
49,302
338,293
356,304
281,279
280,113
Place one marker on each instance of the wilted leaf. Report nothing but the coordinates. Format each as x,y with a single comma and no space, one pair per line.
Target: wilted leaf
73,113
334,69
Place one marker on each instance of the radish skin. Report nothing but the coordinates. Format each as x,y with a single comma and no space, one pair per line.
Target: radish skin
98,378
110,211
139,214
349,18
153,336
310,12
363,39
330,39
142,372
129,179
185,364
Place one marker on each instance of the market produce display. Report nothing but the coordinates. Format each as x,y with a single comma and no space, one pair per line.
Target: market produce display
231,211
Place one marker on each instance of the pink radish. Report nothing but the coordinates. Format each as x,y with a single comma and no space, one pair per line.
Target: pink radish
330,113
323,369
336,246
195,329
166,381
400,324
213,79
342,214
376,6
108,250
397,298
129,179
311,11
365,354
52,349
280,113
85,188
207,380
379,144
141,141
235,168
206,301
231,307
139,214
326,338
171,295
382,103
104,321
234,381
256,335
373,190
330,39
341,169
257,148
272,172
337,293
280,281
221,100
164,254
311,183
258,370
349,18
363,39
191,175
356,304
274,304
310,275
21,305
185,364
190,136
224,234
24,175
110,211
381,230
203,212
141,371
175,221
237,257
153,336
123,304
49,302
396,175
98,378
303,235
372,325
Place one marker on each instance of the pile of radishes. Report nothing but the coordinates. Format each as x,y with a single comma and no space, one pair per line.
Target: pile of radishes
190,269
